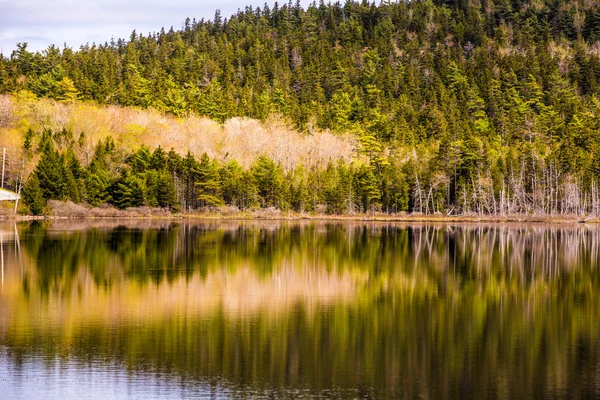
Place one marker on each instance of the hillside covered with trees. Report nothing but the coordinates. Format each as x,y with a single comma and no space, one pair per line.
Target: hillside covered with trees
454,106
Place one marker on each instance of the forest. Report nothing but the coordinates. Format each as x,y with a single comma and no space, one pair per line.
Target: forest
453,107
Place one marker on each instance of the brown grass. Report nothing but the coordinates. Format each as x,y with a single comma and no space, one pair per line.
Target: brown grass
70,210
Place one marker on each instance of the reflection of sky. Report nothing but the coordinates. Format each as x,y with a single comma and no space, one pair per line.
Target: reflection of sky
42,378
76,22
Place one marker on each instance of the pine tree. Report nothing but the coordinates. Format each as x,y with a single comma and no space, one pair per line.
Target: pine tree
299,191
140,160
166,195
367,187
127,191
333,193
50,171
238,186
269,182
158,161
190,199
97,183
33,196
97,177
67,92
208,182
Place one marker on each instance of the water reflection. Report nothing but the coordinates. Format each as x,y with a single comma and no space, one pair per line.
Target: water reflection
307,309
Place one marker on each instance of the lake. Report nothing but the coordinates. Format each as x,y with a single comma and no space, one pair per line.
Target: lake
167,309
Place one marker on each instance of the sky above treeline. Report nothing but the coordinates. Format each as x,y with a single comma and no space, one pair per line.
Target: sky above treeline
41,23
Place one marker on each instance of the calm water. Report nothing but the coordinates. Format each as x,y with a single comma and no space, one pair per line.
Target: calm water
299,310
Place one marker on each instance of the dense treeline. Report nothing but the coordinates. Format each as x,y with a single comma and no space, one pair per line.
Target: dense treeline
479,106
168,180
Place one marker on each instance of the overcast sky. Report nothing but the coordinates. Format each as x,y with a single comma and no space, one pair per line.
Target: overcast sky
76,22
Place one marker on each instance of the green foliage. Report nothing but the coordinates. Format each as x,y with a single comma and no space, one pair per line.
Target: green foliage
67,92
406,60
238,186
54,180
299,190
160,190
338,188
395,190
98,176
208,182
269,180
455,107
367,187
33,196
127,191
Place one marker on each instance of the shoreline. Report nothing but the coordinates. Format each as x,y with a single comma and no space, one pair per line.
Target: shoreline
58,210
293,216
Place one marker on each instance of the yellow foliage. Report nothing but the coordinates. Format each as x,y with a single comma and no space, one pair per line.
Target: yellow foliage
132,134
242,139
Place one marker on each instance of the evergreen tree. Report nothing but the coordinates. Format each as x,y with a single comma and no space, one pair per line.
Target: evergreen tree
166,195
333,193
97,177
238,186
33,196
50,171
67,92
367,187
127,191
269,182
208,182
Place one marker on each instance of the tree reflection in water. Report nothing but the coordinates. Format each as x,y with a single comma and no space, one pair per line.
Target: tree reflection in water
383,310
